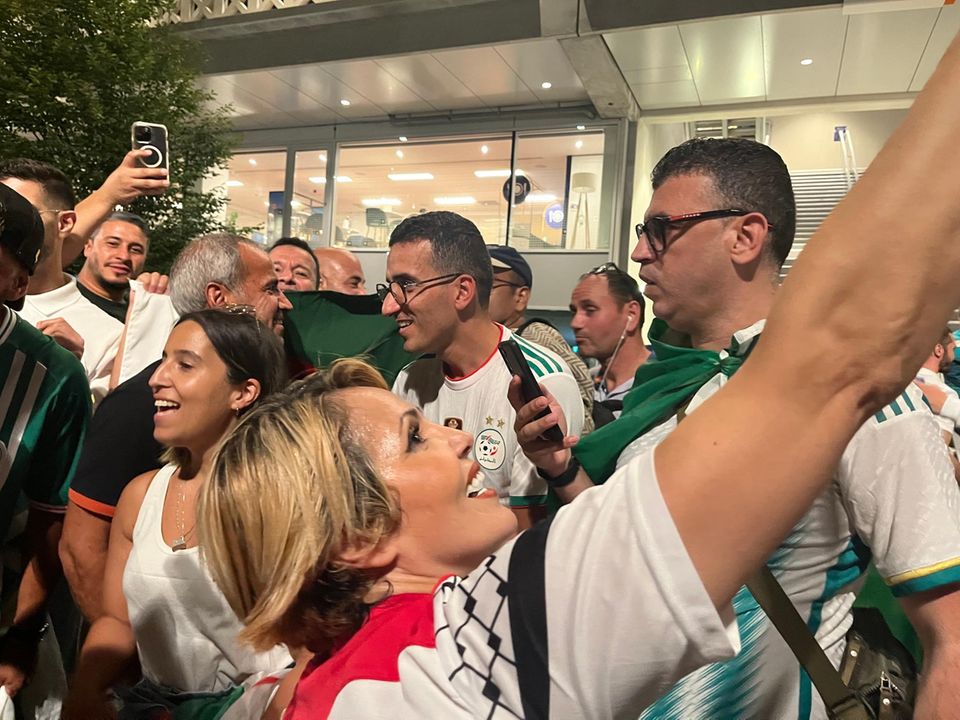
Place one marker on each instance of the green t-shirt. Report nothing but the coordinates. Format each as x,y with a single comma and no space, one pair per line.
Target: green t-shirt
44,410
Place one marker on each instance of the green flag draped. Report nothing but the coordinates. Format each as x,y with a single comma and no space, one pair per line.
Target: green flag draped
660,388
324,326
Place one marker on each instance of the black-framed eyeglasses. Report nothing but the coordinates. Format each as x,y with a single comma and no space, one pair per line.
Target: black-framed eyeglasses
655,228
401,290
506,283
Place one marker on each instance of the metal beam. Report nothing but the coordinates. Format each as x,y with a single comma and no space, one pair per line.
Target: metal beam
354,29
601,76
604,15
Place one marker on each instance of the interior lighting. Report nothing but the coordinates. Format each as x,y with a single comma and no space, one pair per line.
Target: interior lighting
323,157
377,202
455,200
541,197
318,179
345,102
295,203
400,154
546,85
484,149
233,183
403,138
343,178
403,177
253,162
807,61
578,144
495,173
581,127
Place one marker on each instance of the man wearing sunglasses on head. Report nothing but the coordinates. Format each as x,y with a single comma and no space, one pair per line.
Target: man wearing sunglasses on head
719,226
439,277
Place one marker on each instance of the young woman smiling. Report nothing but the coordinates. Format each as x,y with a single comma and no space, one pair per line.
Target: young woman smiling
161,605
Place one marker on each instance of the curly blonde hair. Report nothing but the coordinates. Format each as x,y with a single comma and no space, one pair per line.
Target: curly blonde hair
289,489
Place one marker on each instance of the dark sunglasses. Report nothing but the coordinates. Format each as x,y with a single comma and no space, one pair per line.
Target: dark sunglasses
655,228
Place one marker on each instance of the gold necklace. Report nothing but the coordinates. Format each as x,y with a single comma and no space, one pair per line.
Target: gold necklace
181,542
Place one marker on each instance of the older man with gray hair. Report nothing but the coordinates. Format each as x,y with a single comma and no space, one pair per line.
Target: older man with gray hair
215,270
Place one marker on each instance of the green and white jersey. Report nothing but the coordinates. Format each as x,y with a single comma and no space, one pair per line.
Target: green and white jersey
478,404
44,409
893,501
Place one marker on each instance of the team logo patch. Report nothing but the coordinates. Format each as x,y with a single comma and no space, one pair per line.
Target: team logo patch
489,449
453,422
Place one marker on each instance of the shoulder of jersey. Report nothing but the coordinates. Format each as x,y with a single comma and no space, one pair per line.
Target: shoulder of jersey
541,361
911,400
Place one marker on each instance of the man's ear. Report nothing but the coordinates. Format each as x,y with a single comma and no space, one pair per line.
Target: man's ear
65,222
938,351
522,298
466,292
216,295
20,286
88,247
752,234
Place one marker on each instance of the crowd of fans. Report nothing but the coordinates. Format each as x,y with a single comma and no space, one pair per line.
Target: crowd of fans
251,526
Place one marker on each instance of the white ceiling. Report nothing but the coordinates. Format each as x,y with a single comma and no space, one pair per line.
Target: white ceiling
757,57
741,59
469,78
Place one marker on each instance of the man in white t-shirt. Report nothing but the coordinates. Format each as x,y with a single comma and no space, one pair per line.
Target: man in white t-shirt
54,303
439,276
719,225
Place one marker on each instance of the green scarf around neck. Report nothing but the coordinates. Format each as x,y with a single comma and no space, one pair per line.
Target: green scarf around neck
660,388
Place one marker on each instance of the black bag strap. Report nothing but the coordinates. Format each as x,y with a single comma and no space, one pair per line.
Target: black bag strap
841,701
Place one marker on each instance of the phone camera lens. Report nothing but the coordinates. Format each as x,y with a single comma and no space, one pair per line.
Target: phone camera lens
143,134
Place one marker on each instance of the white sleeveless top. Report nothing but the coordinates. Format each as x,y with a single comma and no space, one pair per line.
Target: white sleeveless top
186,632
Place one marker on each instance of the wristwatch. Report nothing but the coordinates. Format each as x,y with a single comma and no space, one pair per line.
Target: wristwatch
564,478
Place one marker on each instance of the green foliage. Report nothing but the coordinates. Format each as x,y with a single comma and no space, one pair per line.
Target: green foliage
77,73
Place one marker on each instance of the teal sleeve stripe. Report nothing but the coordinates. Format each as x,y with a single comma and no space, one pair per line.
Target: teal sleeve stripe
908,401
897,410
947,576
879,417
550,365
528,500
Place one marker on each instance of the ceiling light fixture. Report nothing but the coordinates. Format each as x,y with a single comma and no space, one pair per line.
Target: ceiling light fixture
455,200
402,138
403,177
807,61
400,154
233,183
484,149
581,127
377,202
343,179
345,102
323,157
541,197
495,173
317,179
253,162
578,144
546,85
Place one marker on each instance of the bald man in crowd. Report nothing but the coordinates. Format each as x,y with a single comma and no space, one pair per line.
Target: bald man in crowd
340,271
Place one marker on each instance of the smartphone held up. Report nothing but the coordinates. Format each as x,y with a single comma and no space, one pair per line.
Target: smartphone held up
151,137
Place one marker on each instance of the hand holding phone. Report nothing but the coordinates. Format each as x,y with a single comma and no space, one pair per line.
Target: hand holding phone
529,387
151,137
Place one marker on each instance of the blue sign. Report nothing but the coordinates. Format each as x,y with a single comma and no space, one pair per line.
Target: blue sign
554,216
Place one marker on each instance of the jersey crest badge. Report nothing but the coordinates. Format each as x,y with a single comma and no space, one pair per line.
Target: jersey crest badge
489,449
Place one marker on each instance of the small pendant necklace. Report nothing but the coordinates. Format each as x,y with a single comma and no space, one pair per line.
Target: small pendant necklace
181,542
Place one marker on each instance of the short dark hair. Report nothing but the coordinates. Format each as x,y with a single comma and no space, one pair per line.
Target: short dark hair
127,217
55,184
746,174
621,285
455,243
299,243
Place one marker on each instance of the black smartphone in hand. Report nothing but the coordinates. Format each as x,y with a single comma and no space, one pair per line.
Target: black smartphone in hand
529,387
152,137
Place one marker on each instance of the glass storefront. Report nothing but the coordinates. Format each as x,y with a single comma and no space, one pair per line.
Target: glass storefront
253,186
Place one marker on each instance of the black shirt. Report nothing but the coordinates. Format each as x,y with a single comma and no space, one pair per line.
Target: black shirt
119,445
111,308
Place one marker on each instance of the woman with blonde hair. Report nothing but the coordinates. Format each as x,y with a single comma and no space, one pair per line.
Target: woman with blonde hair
160,604
338,517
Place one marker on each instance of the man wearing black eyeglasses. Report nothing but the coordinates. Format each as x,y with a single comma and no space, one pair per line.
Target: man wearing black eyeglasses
439,276
719,226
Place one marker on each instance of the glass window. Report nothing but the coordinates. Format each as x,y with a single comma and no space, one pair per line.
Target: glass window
253,186
309,193
380,185
558,192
